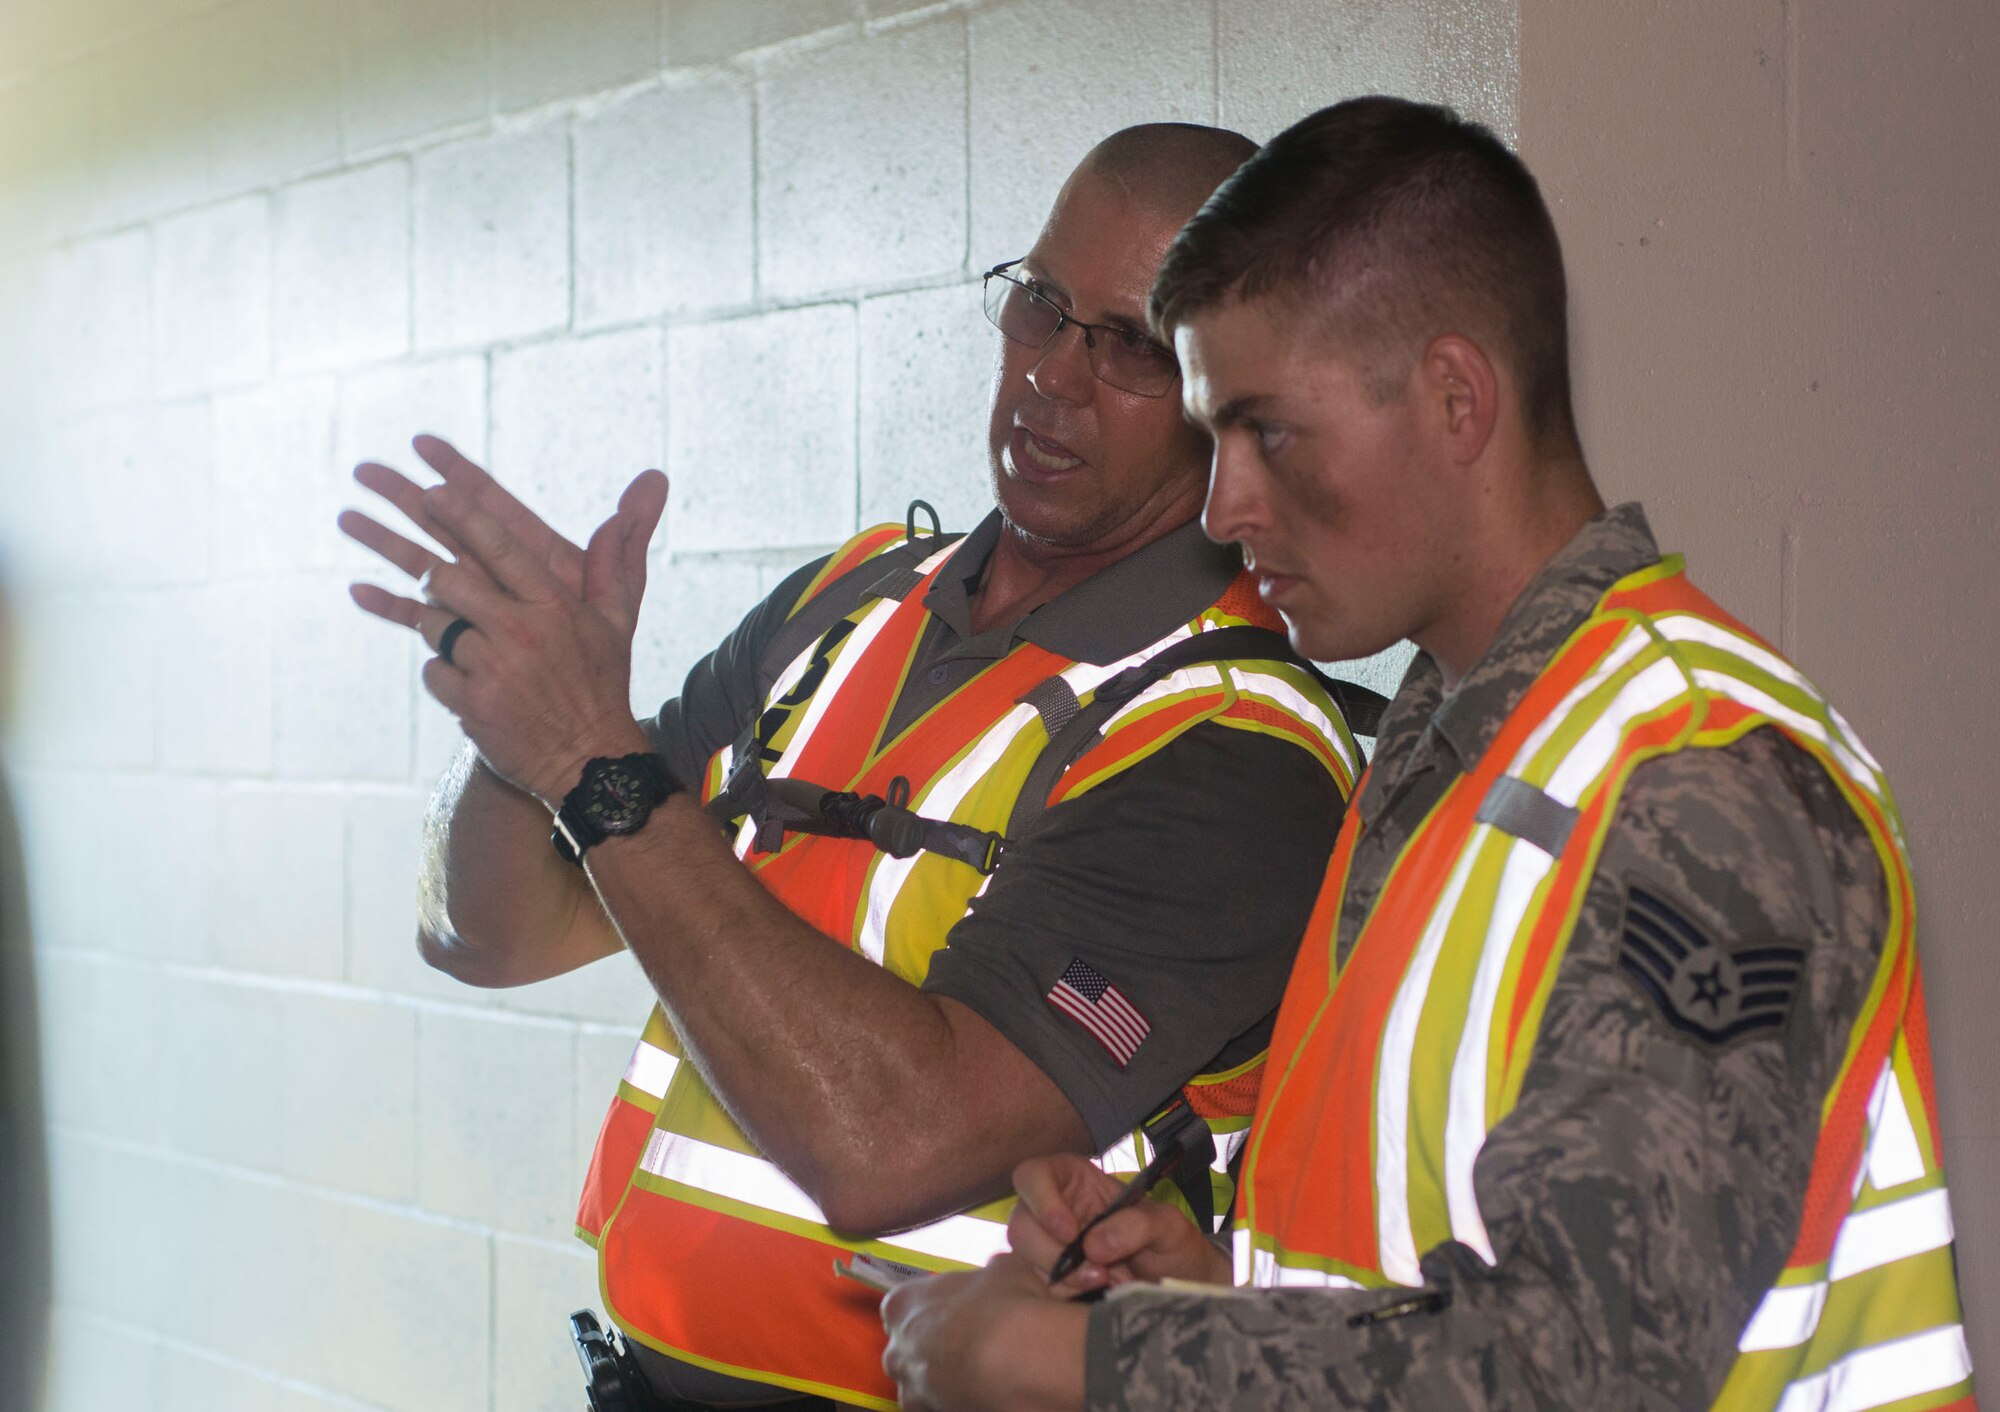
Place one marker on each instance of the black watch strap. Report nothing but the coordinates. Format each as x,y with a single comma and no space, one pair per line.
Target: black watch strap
615,796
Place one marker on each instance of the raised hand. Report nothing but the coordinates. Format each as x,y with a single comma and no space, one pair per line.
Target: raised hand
986,1339
539,673
1149,1241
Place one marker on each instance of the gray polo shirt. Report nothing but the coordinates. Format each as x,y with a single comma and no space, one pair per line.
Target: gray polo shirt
1185,881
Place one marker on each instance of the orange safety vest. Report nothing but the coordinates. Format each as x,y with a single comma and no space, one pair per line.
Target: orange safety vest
708,1252
1388,1077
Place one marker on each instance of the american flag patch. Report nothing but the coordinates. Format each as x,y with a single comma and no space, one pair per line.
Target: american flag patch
1099,1007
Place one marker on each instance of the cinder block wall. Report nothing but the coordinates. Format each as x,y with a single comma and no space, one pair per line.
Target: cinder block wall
243,245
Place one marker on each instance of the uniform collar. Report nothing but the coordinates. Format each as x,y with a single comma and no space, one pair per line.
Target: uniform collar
1110,615
1555,603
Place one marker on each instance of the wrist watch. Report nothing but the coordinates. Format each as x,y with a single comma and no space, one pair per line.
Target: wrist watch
616,795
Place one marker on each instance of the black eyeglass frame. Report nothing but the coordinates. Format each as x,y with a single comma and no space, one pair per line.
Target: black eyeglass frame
1064,317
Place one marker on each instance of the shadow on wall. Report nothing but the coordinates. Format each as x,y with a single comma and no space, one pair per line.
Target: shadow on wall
24,1226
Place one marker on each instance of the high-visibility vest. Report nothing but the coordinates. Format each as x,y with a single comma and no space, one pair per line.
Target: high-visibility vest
1387,1078
708,1252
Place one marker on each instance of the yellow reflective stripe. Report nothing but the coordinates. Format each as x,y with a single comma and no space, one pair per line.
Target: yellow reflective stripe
1651,688
1884,1373
1789,1315
1256,1265
754,1181
1615,660
1394,1237
1893,1154
1289,698
1206,677
1469,1116
650,1069
942,797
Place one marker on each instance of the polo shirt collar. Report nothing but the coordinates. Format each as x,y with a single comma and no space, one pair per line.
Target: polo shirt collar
1111,614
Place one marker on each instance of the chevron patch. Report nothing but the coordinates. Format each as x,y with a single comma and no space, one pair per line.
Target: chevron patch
1713,993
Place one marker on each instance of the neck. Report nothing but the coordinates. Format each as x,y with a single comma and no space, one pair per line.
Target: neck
1024,573
1554,502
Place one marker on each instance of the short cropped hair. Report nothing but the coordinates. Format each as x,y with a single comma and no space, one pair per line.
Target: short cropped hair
1389,223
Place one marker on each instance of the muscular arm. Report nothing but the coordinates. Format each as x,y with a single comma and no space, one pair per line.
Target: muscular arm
1648,1185
891,1104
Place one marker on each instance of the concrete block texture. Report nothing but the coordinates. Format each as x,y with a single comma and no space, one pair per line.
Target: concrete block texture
145,117
692,603
101,1065
1277,62
575,420
665,189
705,31
408,69
212,304
343,268
346,1075
380,410
279,882
542,51
94,322
219,1057
927,363
384,839
760,430
93,1364
861,161
345,682
492,222
214,679
277,485
92,657
1052,77
535,1287
494,1106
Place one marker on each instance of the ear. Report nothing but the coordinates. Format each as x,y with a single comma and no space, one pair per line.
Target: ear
1465,390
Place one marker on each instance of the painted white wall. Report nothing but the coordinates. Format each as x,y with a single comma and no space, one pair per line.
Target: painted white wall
243,245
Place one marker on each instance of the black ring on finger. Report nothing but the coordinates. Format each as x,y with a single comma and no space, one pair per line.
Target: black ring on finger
448,639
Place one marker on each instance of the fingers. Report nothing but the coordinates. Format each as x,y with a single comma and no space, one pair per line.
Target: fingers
561,557
406,554
493,546
392,607
407,496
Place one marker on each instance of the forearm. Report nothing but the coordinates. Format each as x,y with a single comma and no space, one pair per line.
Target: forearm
851,1079
496,906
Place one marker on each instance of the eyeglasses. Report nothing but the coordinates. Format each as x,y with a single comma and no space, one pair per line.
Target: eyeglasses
1122,357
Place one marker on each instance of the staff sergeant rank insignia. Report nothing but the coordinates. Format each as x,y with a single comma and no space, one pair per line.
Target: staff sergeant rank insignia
1702,989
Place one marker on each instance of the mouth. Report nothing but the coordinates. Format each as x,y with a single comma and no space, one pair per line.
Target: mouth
1272,584
1039,457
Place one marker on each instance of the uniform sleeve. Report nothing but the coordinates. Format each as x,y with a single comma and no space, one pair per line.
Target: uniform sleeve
1648,1185
1182,883
720,693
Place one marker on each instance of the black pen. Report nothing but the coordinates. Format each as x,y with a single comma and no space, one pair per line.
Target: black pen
1163,1162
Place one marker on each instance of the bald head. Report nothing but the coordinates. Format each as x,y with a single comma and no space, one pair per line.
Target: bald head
1170,168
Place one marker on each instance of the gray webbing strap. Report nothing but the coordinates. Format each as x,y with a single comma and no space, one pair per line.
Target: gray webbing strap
1514,806
1055,702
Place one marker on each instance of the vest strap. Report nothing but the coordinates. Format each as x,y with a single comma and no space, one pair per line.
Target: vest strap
1514,806
1178,1123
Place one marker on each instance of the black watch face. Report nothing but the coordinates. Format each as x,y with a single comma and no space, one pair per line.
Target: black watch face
620,797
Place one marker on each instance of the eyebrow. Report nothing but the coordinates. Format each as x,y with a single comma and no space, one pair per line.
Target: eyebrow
1241,409
1136,323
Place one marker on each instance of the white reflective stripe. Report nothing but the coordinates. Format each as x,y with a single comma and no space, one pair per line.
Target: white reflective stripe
1299,704
1242,1268
1466,1122
1893,1154
1686,627
651,1069
1884,1234
1651,688
1265,1272
941,798
1744,694
1867,1240
1785,1318
1121,1158
1884,1373
1172,684
1628,647
743,1177
851,652
1227,1145
1392,1085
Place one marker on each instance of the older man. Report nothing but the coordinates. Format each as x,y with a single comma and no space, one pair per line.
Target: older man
1602,1080
1025,828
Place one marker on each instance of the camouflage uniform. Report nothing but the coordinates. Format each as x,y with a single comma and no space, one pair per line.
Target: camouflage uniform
1647,1187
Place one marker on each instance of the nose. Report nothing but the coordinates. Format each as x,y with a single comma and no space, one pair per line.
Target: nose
1235,508
1062,372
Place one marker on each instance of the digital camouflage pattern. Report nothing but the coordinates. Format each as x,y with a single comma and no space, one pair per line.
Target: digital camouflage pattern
1648,1186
